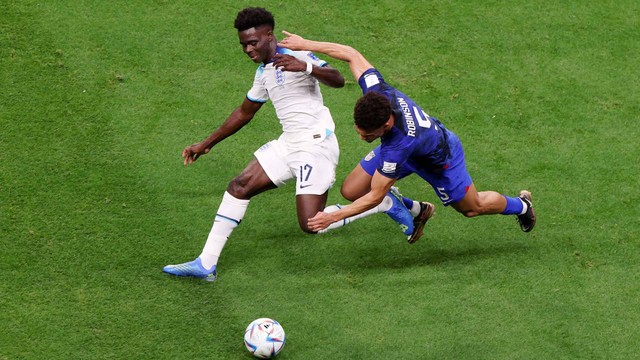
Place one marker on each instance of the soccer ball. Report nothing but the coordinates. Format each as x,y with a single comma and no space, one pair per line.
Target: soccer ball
264,338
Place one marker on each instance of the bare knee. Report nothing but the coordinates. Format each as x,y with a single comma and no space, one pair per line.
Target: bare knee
351,193
347,195
238,187
302,221
306,229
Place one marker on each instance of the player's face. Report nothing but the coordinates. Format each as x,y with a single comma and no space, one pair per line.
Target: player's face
258,43
370,135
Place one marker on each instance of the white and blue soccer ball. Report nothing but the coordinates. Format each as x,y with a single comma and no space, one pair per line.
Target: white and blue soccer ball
264,338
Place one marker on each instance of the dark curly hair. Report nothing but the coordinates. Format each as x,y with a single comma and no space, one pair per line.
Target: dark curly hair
253,17
371,111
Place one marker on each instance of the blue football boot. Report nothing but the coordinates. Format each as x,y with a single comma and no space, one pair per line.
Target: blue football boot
399,213
192,268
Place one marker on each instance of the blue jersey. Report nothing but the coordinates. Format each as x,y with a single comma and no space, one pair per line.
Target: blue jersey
417,143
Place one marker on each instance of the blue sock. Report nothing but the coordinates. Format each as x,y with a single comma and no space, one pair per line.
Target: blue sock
408,203
514,206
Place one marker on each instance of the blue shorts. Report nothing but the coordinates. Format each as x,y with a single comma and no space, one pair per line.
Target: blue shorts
450,183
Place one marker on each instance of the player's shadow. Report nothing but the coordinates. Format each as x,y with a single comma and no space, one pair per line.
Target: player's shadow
429,256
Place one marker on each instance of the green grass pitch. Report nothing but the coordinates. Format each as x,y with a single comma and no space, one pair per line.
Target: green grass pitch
98,99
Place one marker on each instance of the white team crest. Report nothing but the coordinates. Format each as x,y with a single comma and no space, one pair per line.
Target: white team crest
369,156
371,80
388,167
279,76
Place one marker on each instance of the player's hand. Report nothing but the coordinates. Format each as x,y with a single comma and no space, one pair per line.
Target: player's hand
293,41
321,221
289,63
191,153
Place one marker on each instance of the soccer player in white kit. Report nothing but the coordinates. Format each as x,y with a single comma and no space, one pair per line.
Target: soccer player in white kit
307,150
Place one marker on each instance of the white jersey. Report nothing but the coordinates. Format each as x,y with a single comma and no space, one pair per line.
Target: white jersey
297,100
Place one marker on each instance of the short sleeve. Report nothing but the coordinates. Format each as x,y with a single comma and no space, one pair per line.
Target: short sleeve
394,155
313,59
371,80
392,161
306,56
258,93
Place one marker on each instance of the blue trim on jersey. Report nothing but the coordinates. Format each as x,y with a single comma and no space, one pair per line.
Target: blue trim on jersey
280,50
285,51
255,100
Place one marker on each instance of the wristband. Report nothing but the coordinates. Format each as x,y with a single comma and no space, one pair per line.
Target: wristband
309,69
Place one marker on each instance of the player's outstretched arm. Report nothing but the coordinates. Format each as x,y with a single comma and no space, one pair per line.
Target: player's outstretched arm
325,74
236,120
357,62
328,76
380,186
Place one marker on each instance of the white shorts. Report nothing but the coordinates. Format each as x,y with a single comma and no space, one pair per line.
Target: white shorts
313,167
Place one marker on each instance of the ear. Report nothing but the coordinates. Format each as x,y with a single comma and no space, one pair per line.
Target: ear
389,124
270,34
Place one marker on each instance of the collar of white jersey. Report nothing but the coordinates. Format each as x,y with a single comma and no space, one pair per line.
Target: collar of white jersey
279,50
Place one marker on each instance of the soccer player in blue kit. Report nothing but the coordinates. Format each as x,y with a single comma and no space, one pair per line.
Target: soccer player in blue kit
411,142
